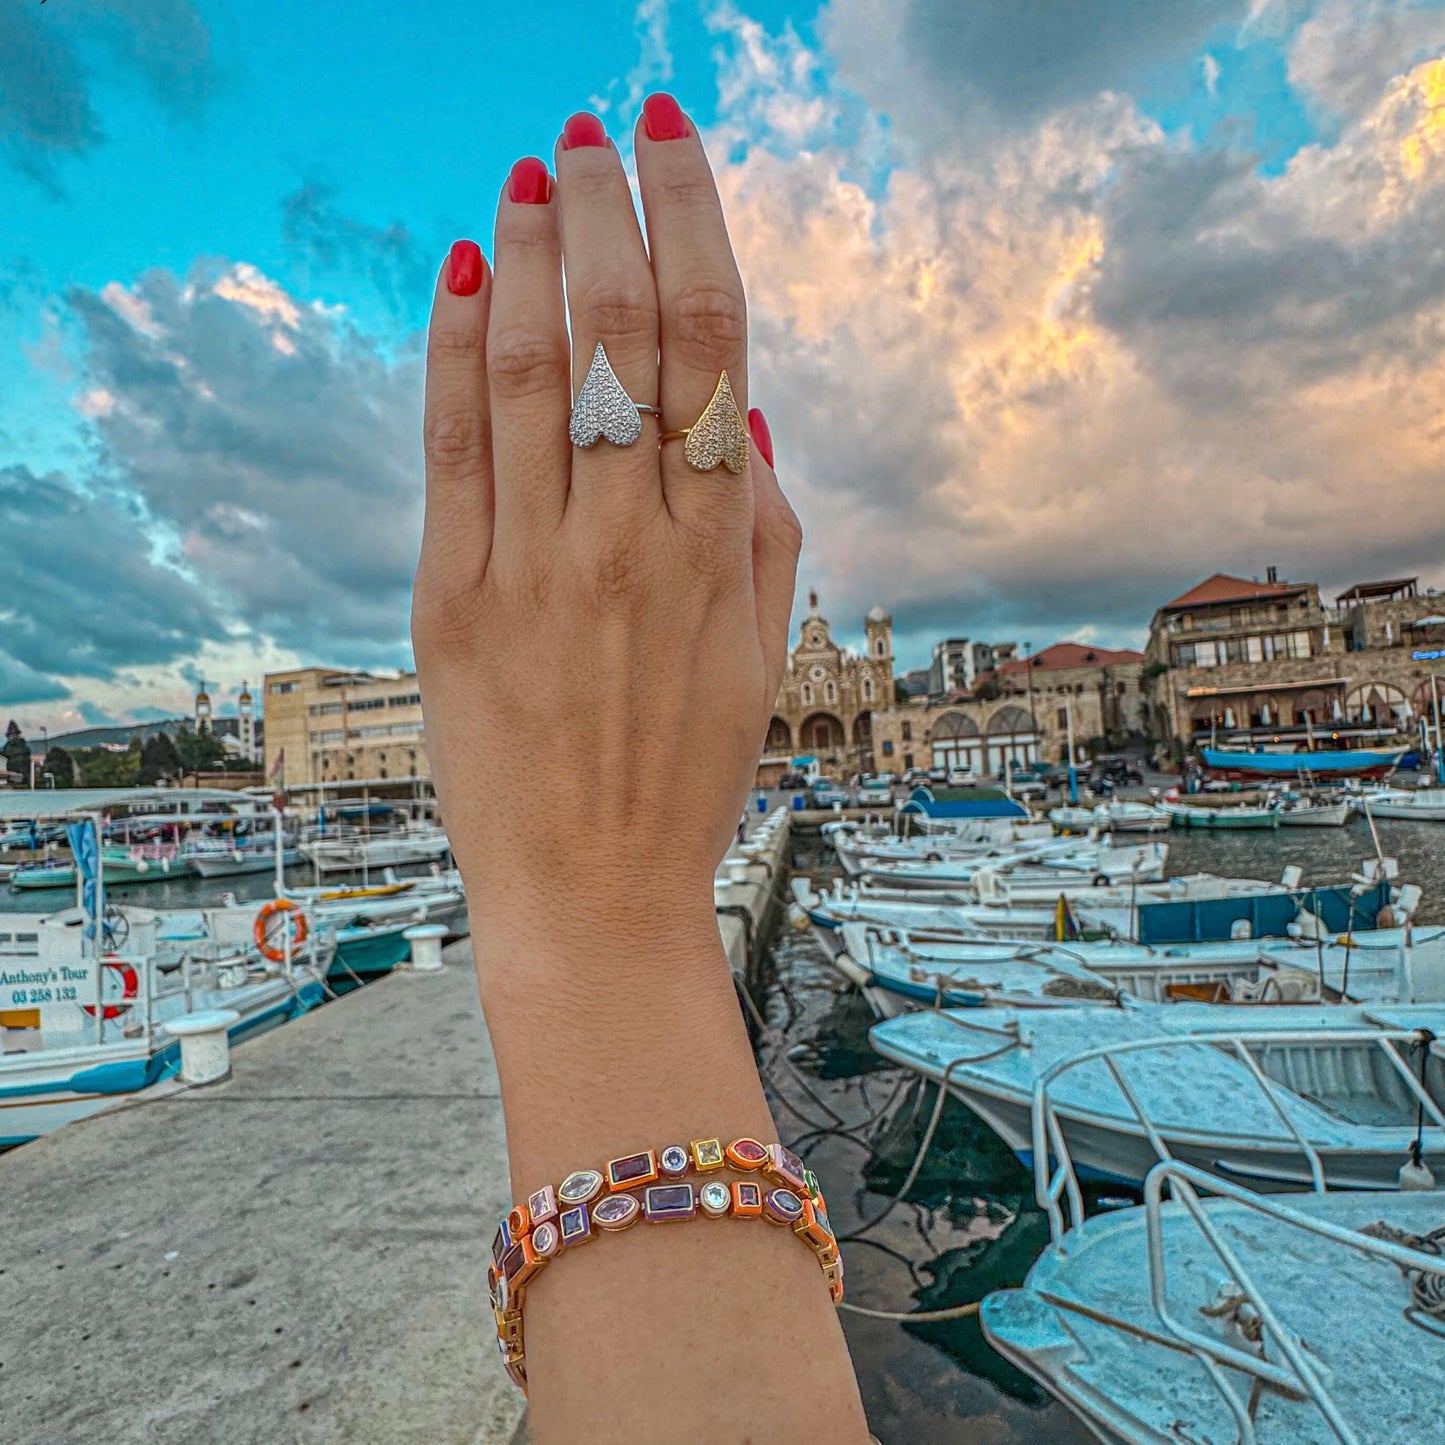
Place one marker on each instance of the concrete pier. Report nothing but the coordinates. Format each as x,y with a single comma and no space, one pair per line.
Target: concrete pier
295,1256
747,907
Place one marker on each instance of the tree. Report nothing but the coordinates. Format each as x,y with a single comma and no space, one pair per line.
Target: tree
901,694
16,753
198,751
158,759
61,767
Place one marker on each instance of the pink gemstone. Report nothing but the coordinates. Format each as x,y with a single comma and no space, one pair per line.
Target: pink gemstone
617,1211
543,1204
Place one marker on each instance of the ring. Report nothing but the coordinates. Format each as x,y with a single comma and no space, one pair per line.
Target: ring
604,409
718,437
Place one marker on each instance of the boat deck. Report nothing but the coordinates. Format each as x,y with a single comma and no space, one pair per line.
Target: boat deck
309,1244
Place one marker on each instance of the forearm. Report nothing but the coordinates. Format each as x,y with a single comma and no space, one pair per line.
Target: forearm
710,1329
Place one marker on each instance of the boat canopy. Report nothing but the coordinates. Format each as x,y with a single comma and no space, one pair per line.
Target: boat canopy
1342,763
68,802
958,803
1269,915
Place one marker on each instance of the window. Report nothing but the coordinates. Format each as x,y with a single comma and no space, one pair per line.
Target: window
1063,717
331,735
367,704
1184,655
878,650
328,708
405,730
867,689
907,760
830,690
887,748
1120,688
279,688
908,732
404,699
373,730
807,694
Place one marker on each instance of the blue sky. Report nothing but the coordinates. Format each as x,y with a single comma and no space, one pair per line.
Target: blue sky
1117,270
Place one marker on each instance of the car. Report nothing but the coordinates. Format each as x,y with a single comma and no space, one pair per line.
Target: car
961,778
827,794
876,793
1119,770
793,780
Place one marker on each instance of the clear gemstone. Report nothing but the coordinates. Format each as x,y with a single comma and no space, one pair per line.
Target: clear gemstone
544,1240
715,1198
581,1187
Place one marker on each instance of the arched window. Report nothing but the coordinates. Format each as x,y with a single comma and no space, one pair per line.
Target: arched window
867,689
878,648
830,690
807,694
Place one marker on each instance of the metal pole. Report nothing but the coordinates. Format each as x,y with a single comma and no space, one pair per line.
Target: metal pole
1073,769
1439,737
277,832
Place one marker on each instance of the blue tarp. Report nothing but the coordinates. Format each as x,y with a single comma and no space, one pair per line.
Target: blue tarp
921,800
1269,914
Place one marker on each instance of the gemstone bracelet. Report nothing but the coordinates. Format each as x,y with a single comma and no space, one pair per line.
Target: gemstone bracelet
591,1201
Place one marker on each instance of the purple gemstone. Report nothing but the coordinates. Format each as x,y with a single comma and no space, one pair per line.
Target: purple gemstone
513,1261
542,1205
544,1240
673,1160
576,1227
782,1206
669,1201
789,1167
621,1172
615,1212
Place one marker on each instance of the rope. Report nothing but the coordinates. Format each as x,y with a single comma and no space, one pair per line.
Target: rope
1426,1309
919,1317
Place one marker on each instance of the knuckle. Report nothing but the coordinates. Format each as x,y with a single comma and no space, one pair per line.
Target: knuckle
456,344
455,442
784,528
690,189
709,324
522,363
618,567
621,311
715,540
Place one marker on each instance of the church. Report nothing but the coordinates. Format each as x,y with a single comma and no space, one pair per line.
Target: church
829,694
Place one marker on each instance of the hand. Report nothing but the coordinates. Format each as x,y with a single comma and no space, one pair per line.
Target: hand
600,634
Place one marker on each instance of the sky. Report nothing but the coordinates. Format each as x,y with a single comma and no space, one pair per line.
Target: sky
1056,308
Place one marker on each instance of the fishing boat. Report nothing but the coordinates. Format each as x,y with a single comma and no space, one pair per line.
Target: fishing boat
1341,763
123,862
80,1031
1283,1320
1279,1097
225,858
1043,871
1305,812
1122,816
1072,818
1236,815
353,852
1424,805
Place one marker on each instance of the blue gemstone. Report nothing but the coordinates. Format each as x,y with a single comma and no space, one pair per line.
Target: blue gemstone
501,1242
575,1225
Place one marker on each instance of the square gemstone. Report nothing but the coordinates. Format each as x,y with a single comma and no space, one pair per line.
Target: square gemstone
542,1205
576,1227
747,1197
634,1169
513,1262
501,1242
788,1168
669,1201
707,1153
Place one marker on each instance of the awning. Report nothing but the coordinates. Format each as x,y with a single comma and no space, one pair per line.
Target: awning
1267,687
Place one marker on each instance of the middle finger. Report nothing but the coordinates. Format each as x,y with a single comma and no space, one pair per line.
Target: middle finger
611,299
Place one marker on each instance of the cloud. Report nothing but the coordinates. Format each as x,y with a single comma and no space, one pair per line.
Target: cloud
95,716
1043,377
1346,53
46,76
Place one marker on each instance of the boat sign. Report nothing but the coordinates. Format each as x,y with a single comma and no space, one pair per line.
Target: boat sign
41,993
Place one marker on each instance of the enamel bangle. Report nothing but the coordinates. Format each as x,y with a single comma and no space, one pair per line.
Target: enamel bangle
769,1182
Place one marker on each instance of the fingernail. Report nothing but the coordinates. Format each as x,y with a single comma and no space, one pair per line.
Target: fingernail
762,437
662,118
464,268
530,185
583,129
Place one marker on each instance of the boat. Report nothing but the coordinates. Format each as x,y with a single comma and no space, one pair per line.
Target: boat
1342,763
354,851
1315,813
1282,1098
1122,816
224,858
1236,815
123,863
1282,1320
81,1033
1044,871
44,873
1424,805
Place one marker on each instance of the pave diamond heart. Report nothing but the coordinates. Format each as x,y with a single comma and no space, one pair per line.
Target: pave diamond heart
720,435
603,408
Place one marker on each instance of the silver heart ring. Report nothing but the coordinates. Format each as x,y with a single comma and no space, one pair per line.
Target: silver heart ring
604,409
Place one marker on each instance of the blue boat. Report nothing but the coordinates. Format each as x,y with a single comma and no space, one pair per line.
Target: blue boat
1345,763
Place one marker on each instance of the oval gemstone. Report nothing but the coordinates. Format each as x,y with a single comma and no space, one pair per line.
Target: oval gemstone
580,1188
617,1211
673,1160
747,1154
544,1240
782,1206
715,1199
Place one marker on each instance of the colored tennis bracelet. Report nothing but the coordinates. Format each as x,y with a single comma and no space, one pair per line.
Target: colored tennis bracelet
775,1185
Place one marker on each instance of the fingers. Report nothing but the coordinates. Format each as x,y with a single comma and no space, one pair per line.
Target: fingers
456,432
527,361
777,540
701,307
611,299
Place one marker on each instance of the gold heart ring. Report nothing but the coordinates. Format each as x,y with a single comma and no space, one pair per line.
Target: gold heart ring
718,437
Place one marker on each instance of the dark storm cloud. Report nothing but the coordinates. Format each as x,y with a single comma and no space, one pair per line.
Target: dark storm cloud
278,443
46,109
81,592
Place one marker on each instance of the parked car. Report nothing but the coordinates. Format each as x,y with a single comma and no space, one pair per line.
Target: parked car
876,793
938,775
1120,771
961,778
1026,781
914,776
826,793
793,780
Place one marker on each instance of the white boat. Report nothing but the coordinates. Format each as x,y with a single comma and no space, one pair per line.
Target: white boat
1286,1320
858,848
1042,872
78,1033
1279,1097
1235,815
224,858
1311,813
1073,818
1126,817
351,852
1424,805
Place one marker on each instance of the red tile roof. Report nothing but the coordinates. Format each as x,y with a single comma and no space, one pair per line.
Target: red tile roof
1221,587
1064,655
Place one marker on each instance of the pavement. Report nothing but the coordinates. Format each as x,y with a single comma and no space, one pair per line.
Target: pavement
295,1256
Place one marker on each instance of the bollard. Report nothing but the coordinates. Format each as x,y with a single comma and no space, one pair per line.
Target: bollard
426,946
738,871
205,1044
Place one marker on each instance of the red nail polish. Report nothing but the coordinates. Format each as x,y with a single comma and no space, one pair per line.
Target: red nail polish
583,129
662,118
464,268
762,437
530,185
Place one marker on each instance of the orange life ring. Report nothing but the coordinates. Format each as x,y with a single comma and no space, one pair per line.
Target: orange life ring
129,987
262,932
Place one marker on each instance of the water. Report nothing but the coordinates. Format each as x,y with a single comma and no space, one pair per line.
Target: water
969,1224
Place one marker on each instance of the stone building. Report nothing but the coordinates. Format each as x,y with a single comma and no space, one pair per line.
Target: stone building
1019,713
336,727
826,704
1245,663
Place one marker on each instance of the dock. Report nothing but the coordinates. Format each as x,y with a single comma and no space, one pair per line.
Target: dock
295,1255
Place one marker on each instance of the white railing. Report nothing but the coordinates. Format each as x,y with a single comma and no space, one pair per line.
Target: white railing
1055,1177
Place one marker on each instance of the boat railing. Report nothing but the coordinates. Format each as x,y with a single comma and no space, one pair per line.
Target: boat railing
1295,1373
1056,1180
